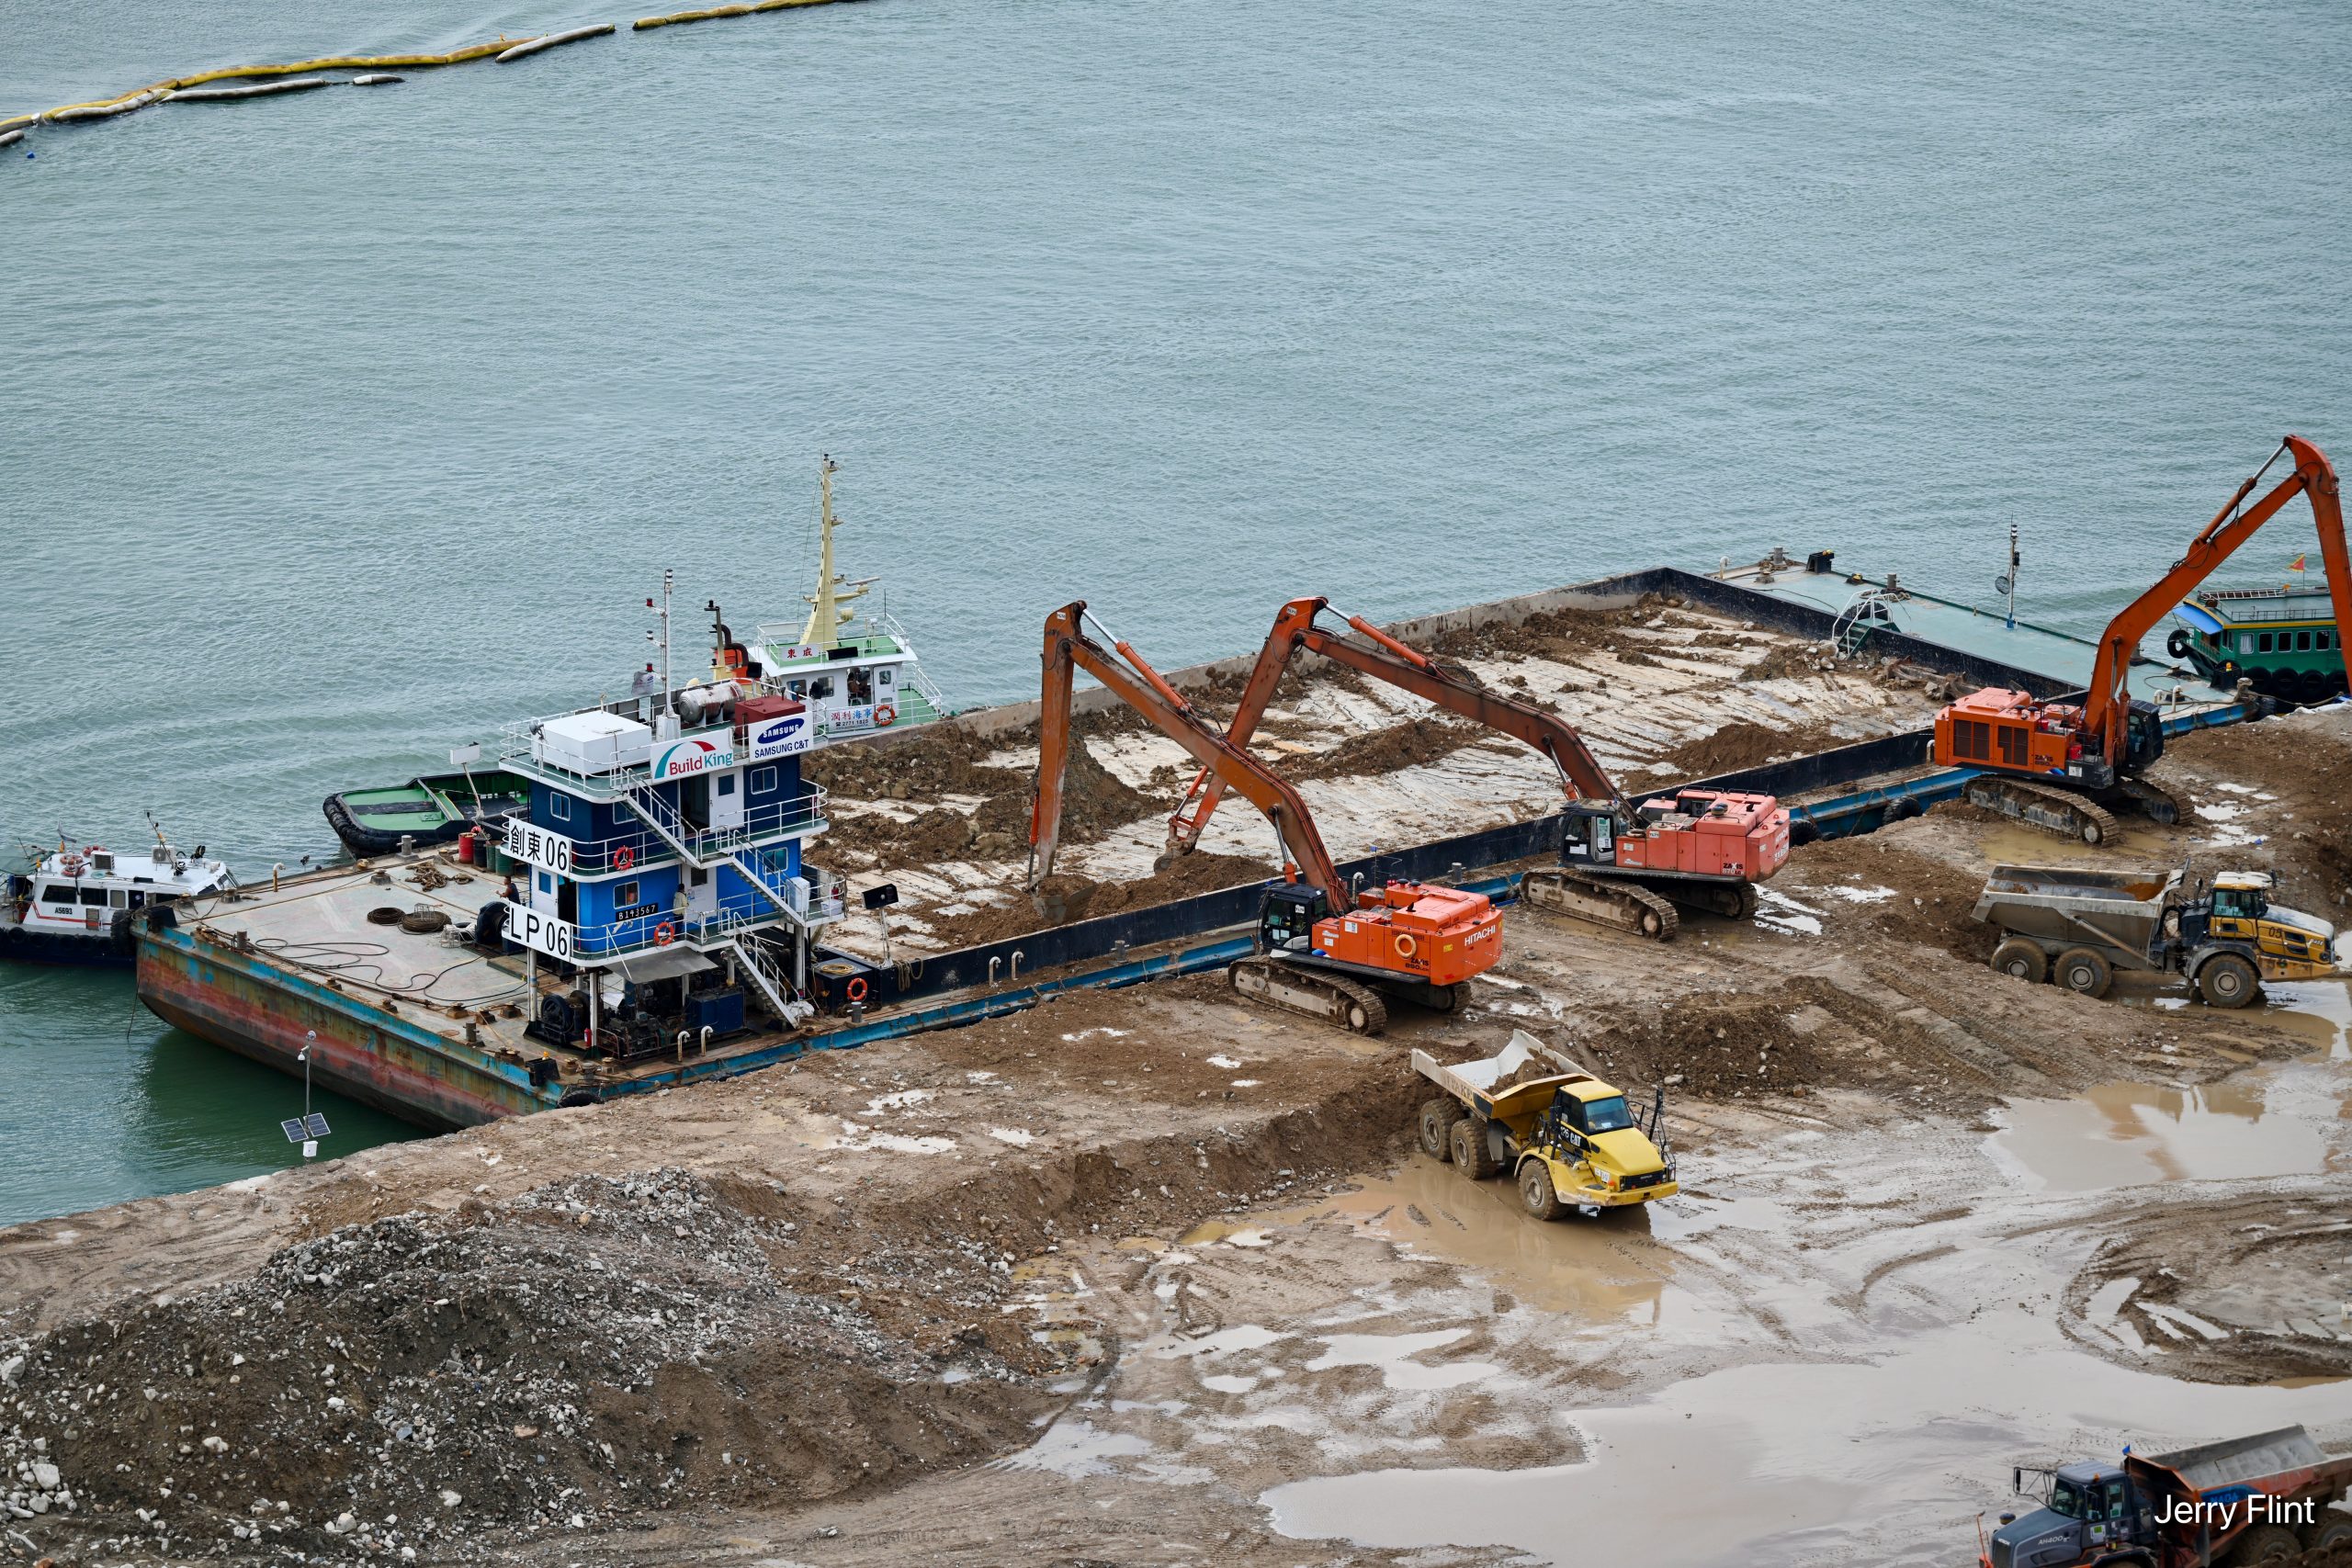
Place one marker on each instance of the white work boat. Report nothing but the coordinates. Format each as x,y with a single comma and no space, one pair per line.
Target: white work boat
76,905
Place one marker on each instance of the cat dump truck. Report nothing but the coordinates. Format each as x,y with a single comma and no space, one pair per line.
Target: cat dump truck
2249,1500
1568,1140
2077,925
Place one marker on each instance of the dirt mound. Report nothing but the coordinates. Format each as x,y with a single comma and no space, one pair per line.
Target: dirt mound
1069,898
1550,633
1095,802
941,759
1411,744
1789,661
598,1347
1737,745
1714,1048
1930,901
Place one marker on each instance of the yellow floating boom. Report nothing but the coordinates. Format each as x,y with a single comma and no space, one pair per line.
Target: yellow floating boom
642,23
153,93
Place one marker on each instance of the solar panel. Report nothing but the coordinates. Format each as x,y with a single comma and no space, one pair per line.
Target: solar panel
315,1124
294,1130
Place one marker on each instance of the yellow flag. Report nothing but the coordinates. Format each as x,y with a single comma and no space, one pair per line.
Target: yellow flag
2297,564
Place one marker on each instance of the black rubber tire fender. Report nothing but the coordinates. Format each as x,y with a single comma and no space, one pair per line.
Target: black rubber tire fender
1473,1149
1434,1126
1536,1194
2178,644
2080,969
2022,960
2228,980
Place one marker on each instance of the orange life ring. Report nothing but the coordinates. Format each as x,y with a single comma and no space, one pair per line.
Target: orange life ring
856,988
663,935
1406,945
623,858
885,715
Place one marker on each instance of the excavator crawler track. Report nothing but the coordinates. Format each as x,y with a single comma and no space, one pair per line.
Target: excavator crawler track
2155,804
1621,906
2055,811
1334,998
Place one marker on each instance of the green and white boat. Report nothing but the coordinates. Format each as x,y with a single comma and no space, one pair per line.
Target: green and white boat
2282,639
430,809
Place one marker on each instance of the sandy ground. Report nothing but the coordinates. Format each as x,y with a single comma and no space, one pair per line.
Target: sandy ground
1152,1277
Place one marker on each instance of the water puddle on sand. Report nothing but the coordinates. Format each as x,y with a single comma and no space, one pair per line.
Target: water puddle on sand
2128,1135
1791,1462
2318,1012
1597,1268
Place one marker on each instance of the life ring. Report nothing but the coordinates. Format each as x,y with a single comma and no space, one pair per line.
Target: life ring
1406,945
884,716
856,988
70,863
663,934
623,858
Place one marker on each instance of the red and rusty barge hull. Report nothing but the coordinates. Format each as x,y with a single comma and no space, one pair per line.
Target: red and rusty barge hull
366,1049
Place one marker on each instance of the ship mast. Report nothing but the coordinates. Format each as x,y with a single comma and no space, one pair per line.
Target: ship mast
830,615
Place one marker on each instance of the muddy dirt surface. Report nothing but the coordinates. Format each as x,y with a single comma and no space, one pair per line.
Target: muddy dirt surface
1741,745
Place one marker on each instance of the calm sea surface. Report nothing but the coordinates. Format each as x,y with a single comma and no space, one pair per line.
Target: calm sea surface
336,428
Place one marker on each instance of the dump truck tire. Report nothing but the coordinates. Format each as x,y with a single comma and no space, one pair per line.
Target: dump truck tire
1535,1192
2022,960
2080,969
2328,1532
2266,1543
1436,1124
1473,1150
2228,981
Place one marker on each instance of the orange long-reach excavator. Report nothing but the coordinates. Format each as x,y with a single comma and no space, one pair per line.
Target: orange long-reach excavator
2060,766
1620,865
1323,950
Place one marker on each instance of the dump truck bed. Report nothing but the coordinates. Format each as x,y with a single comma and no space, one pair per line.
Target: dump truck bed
1474,1083
2286,1464
2115,912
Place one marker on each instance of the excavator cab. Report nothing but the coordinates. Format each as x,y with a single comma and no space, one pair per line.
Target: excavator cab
1588,836
2143,736
1287,916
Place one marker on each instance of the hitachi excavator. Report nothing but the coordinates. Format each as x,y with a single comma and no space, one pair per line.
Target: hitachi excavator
2061,766
1621,865
1323,949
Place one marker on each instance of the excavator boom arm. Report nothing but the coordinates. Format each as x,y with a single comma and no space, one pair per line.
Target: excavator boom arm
1067,649
2105,709
1388,660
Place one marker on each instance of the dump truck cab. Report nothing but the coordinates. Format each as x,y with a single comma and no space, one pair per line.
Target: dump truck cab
2090,1514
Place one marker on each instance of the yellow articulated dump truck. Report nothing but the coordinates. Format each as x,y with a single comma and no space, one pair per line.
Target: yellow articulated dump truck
1567,1139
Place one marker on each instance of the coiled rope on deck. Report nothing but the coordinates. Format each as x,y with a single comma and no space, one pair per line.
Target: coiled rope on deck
502,48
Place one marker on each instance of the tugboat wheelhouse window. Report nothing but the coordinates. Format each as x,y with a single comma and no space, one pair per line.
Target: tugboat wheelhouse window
559,807
58,892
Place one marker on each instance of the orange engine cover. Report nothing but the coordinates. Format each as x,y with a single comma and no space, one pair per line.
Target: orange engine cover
2001,729
1438,935
1708,832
